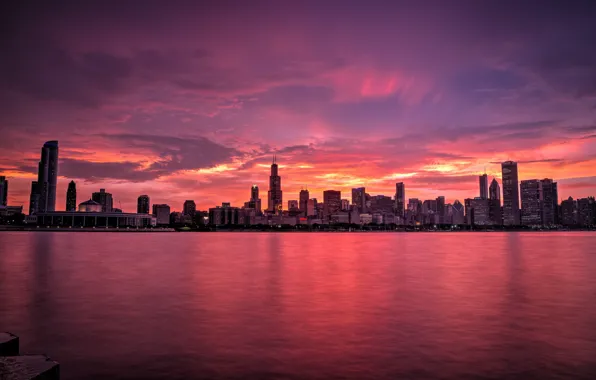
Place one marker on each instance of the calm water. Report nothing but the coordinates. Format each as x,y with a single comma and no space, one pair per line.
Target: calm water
294,306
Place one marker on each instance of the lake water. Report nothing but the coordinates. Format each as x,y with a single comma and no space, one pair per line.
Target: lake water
304,305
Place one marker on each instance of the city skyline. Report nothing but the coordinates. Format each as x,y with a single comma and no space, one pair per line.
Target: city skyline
190,102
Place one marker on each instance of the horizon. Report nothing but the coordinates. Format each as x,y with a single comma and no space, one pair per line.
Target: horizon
190,101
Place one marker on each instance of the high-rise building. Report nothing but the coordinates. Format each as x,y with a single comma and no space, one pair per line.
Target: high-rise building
483,186
304,197
441,208
494,203
189,208
549,202
293,205
531,202
585,211
34,198
359,199
511,215
311,207
381,204
3,191
331,202
414,206
345,205
458,216
477,211
47,177
400,198
255,201
274,204
104,199
162,214
569,215
71,197
143,204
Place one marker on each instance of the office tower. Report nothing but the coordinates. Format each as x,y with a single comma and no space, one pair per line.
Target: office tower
292,205
414,206
304,196
381,204
34,198
531,202
162,214
331,202
585,211
429,206
3,191
400,198
477,211
311,207
255,201
345,205
104,199
458,216
47,177
274,204
71,197
549,202
494,203
441,208
483,186
359,199
189,208
510,194
569,212
143,204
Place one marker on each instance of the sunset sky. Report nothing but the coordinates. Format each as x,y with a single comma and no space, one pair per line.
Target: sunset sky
190,100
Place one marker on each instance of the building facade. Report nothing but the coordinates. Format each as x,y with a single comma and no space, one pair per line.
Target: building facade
224,215
531,202
143,204
162,214
511,215
483,179
550,196
303,199
104,199
189,208
359,199
44,198
90,219
3,191
400,198
71,197
331,202
494,203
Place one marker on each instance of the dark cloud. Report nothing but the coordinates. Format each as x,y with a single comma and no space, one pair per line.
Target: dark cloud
101,171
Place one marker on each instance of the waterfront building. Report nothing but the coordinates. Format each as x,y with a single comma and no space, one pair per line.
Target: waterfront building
359,199
381,204
104,199
162,214
531,202
477,211
71,197
414,206
93,219
511,215
366,218
494,203
400,198
457,213
483,179
90,206
550,198
189,208
44,198
569,215
345,205
429,206
143,204
274,204
3,191
224,215
331,202
255,201
585,211
303,199
441,209
311,207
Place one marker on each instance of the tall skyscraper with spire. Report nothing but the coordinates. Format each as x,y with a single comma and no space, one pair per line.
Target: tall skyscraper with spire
71,197
47,178
274,204
511,216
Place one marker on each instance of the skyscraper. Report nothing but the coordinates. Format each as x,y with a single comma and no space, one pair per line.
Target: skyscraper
550,195
104,199
441,208
483,186
569,216
162,214
143,204
510,194
531,202
331,202
494,203
189,208
3,191
274,204
400,198
304,196
255,201
34,198
47,177
71,197
359,199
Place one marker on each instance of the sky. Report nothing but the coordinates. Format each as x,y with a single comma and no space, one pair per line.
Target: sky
189,100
